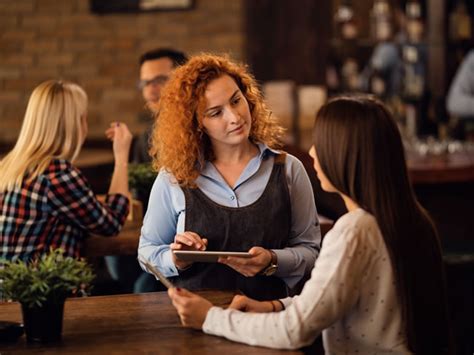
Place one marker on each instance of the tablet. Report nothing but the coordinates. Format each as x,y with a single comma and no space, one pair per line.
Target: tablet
207,256
150,268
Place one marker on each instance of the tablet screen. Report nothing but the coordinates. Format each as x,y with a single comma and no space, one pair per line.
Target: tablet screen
207,256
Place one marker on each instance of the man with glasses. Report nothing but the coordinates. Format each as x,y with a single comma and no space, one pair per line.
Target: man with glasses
155,68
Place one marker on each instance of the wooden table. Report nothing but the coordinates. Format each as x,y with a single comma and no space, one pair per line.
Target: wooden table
126,242
137,323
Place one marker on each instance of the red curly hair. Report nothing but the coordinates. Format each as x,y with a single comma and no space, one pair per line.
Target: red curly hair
179,144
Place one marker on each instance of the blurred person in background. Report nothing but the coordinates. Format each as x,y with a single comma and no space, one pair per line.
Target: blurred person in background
45,201
156,66
460,100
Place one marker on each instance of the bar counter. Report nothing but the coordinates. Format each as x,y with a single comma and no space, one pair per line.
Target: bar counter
441,169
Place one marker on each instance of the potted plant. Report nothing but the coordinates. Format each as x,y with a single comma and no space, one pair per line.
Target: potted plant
141,177
41,286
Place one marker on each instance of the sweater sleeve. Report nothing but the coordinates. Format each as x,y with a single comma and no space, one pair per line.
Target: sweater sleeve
330,293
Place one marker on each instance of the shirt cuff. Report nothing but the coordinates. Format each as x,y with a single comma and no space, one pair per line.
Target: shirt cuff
118,203
285,262
287,301
168,264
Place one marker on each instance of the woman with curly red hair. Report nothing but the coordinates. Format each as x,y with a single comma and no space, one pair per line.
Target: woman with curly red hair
223,185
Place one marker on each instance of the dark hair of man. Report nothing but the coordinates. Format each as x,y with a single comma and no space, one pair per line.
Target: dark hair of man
178,58
360,150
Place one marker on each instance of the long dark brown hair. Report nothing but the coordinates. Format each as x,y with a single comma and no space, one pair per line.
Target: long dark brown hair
360,150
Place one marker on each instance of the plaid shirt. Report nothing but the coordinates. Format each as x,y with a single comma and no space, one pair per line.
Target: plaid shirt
57,209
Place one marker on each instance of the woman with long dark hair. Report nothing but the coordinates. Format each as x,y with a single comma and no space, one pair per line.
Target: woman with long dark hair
378,284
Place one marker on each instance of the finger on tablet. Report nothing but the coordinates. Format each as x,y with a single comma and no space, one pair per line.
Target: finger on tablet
183,239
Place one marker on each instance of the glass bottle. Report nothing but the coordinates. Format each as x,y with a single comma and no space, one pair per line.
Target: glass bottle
345,20
414,22
380,20
460,22
413,81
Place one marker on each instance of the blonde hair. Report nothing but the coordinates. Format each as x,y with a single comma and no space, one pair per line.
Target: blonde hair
179,144
51,129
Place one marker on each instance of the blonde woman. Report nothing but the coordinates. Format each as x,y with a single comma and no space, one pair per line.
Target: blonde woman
45,202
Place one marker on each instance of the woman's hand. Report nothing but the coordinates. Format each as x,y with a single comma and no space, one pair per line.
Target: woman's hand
122,139
245,304
186,241
192,309
249,266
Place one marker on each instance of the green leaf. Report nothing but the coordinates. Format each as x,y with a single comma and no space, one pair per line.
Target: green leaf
52,275
141,176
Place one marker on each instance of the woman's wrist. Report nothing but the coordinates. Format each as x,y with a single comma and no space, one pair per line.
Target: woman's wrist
121,163
280,305
184,267
277,305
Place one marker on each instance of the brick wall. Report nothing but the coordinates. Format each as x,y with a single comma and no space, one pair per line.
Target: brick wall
46,39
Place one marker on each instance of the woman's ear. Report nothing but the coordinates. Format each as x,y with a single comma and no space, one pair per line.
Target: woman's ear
312,152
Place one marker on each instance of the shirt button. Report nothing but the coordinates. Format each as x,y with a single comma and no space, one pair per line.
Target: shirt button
232,198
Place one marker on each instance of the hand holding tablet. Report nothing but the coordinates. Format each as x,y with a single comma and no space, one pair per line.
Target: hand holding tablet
189,241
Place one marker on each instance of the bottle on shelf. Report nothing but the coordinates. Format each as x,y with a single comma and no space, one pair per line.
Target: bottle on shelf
345,20
413,76
377,84
350,75
414,22
460,26
380,20
414,71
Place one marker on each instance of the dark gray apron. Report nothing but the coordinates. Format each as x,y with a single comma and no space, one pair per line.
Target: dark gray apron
265,223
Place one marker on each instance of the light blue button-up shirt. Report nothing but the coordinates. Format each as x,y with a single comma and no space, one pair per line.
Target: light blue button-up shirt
166,213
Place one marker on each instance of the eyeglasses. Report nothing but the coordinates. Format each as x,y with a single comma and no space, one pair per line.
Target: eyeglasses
157,80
